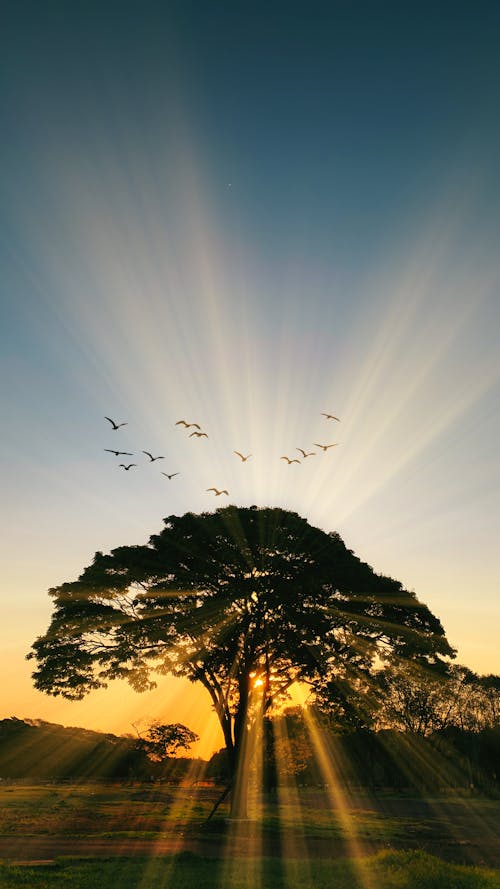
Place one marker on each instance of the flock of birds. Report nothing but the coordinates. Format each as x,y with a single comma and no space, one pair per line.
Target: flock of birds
198,433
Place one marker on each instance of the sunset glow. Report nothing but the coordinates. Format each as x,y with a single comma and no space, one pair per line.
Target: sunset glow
223,217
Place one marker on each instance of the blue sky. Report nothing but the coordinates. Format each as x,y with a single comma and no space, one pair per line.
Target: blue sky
250,214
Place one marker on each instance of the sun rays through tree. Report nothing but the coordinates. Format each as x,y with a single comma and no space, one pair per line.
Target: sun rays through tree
246,602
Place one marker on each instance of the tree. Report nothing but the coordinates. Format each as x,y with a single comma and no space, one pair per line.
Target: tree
414,700
418,700
489,686
162,741
246,602
347,699
287,746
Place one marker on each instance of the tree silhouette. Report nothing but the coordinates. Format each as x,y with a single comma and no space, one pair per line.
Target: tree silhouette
247,602
419,701
160,741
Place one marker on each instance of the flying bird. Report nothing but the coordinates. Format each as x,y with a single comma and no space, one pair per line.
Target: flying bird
289,461
198,434
171,474
306,453
325,447
115,425
119,453
243,458
127,467
330,417
151,458
217,492
186,424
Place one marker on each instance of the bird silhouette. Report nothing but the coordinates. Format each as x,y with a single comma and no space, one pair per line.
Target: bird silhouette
151,458
119,453
171,474
186,424
306,453
129,465
289,461
243,458
115,425
217,492
198,434
325,447
330,417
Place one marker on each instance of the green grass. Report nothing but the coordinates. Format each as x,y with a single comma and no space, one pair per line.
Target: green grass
84,821
387,870
88,810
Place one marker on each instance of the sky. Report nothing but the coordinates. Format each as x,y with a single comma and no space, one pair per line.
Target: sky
246,215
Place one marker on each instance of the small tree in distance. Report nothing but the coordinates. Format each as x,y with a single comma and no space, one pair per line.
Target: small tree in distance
244,601
162,741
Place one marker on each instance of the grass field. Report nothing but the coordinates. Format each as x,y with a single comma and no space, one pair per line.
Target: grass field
387,870
149,837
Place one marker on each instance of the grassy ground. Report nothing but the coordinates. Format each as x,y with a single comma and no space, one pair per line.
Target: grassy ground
151,810
387,870
154,837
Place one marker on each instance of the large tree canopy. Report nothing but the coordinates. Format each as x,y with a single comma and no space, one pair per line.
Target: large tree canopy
234,599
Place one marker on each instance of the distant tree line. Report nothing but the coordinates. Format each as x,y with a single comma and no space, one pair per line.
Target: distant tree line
447,757
387,759
41,750
408,729
407,697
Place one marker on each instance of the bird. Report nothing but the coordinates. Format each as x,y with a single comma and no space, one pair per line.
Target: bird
243,458
171,474
217,492
186,424
115,425
325,447
119,453
330,417
306,453
198,434
152,459
127,467
289,461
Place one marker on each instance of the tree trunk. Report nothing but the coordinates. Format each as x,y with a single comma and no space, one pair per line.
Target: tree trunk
240,761
269,769
239,779
241,745
239,796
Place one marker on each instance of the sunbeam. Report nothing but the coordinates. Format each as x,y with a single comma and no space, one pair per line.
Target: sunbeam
249,329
